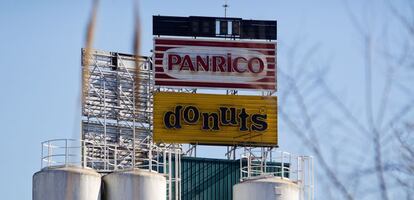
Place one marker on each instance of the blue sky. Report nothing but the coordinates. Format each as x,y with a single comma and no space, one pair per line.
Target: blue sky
40,44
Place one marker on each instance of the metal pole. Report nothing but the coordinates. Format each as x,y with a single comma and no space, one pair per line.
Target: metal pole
248,166
283,164
309,178
241,168
116,158
228,153
150,156
195,150
303,174
297,169
104,112
271,156
133,145
41,156
84,153
158,160
313,183
133,121
169,175
265,162
234,153
66,152
179,175
164,162
225,8
176,174
262,156
49,153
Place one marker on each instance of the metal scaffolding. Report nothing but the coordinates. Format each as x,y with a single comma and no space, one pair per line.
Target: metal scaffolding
117,118
117,110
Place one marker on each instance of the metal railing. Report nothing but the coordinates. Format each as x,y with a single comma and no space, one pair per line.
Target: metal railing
62,152
165,160
269,163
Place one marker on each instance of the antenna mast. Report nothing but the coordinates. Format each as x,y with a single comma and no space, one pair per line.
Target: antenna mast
225,6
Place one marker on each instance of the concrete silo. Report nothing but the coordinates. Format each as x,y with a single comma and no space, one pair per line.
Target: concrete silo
273,188
134,185
66,183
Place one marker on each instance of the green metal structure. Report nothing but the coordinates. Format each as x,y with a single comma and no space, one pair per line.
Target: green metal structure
210,179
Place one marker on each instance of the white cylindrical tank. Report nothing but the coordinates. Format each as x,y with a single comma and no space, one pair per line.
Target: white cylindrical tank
66,183
134,185
273,188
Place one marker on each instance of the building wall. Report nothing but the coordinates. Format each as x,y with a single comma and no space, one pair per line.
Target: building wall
206,179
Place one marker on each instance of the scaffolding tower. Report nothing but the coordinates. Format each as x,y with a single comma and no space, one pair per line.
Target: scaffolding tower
116,110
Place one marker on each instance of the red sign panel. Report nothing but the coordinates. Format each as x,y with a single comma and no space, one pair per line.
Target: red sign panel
215,64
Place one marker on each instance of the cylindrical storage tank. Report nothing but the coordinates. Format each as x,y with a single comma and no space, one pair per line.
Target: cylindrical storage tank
273,188
66,183
134,185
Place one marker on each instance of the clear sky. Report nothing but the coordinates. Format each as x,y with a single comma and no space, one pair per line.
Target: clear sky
40,44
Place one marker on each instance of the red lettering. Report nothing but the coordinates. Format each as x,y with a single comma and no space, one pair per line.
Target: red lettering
203,63
229,66
187,64
251,67
173,59
236,64
218,63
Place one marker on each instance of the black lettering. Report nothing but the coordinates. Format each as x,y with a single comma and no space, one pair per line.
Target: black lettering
243,120
225,117
214,121
259,122
175,117
191,114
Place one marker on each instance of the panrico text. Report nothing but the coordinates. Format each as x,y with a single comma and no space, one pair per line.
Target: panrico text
215,63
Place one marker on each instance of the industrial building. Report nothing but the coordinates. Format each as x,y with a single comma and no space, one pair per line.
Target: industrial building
143,119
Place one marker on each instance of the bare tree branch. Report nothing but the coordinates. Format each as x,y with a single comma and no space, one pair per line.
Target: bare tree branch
305,140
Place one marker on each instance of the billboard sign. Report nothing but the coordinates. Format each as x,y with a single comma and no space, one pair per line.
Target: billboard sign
224,64
215,119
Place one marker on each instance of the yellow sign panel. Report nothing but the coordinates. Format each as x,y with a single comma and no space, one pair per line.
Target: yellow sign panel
215,119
